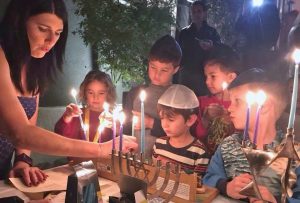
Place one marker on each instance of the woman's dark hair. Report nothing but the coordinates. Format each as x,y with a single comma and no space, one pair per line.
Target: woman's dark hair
15,43
102,77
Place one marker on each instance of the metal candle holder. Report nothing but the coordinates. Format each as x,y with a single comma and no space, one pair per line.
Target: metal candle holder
170,176
260,160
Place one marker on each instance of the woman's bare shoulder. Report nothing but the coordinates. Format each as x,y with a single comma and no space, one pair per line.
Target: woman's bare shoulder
4,67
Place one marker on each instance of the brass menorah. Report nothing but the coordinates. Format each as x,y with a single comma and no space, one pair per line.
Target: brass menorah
260,160
167,181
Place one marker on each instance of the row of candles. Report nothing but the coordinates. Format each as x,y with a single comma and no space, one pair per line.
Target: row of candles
117,115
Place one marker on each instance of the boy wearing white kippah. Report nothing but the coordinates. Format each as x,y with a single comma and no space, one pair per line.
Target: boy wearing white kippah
178,108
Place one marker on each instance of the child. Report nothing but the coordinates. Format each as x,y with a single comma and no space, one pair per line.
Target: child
228,170
178,108
164,60
95,89
220,67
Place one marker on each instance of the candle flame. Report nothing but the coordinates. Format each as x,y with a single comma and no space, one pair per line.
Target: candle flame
135,119
142,95
105,106
261,97
224,85
73,92
250,98
122,117
296,56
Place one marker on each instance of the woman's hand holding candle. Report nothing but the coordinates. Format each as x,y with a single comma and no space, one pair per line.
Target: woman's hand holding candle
128,144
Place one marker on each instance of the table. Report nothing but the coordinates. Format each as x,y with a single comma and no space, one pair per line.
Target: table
108,188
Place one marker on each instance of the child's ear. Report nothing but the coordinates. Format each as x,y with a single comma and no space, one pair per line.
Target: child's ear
176,69
191,120
231,77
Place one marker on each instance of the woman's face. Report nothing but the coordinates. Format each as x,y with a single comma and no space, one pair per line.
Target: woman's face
43,31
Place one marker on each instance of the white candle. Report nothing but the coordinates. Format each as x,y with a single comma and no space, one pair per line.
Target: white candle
224,87
74,94
134,122
142,98
296,57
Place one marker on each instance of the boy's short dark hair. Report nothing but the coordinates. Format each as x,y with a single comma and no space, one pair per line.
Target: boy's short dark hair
171,111
200,3
224,56
166,50
268,81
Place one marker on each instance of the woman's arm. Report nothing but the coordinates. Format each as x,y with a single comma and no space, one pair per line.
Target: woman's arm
15,125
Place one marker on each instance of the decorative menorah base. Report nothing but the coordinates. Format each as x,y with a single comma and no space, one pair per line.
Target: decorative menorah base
168,182
260,160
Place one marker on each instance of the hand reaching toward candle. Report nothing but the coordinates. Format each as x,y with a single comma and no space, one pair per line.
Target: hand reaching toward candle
149,121
129,144
72,110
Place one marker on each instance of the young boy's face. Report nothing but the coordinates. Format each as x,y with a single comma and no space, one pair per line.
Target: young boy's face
95,94
238,106
215,78
175,125
161,73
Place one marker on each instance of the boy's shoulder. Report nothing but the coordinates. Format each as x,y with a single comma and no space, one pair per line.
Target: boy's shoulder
234,138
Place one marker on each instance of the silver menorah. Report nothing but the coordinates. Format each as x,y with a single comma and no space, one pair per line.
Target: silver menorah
260,160
163,180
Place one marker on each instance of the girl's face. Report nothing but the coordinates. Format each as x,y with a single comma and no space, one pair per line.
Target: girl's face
43,32
95,94
215,78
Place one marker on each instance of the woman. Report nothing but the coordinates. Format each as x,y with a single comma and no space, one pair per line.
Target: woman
33,37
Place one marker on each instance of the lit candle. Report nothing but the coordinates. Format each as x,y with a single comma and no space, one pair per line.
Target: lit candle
142,98
224,87
121,119
250,100
296,57
260,100
115,116
74,94
134,121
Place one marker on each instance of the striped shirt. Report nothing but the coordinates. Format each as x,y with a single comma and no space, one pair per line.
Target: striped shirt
192,158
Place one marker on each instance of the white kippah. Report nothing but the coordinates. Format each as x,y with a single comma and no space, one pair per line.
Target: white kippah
180,97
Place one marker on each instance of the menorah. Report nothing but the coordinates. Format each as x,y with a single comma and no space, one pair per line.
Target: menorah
260,160
167,181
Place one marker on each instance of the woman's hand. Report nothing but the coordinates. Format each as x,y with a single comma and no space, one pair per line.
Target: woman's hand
237,184
72,110
129,144
30,175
